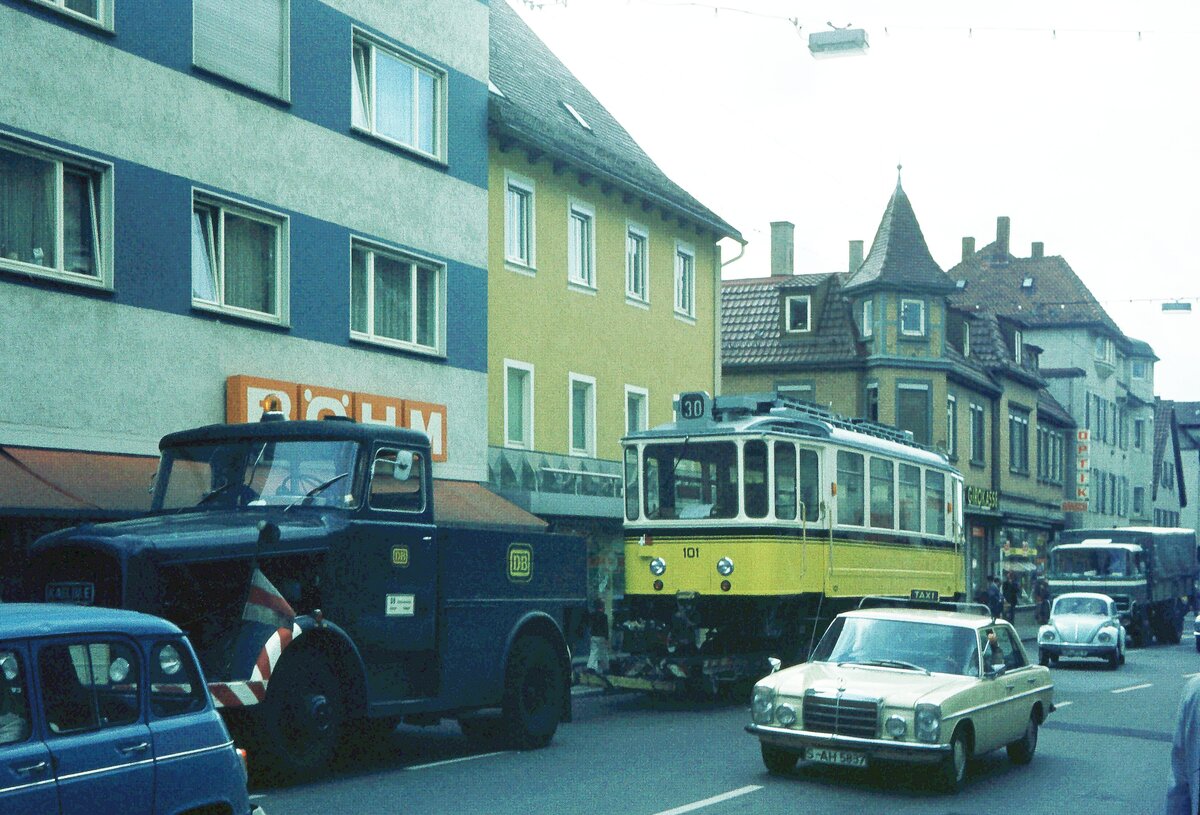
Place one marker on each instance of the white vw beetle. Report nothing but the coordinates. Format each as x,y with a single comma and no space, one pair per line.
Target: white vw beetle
1083,624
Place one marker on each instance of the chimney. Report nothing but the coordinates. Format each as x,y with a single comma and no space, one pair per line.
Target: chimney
968,249
783,247
856,256
1002,230
1038,250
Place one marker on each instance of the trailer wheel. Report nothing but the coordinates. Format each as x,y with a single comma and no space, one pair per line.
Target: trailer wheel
1173,624
535,690
301,721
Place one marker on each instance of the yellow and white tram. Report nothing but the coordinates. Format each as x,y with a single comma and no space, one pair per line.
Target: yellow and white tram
752,520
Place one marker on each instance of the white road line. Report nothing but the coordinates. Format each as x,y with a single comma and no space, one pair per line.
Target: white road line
1061,705
716,799
1189,676
1134,687
455,760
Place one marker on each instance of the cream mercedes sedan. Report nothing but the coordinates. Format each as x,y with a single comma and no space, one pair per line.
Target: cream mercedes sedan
932,686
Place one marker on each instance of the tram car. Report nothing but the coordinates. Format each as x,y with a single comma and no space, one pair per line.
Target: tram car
752,520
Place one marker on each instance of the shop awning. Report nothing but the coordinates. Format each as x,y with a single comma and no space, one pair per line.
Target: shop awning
39,481
36,481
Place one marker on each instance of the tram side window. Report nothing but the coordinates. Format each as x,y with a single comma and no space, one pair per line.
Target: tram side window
883,494
632,490
785,481
850,488
910,498
754,456
810,485
935,503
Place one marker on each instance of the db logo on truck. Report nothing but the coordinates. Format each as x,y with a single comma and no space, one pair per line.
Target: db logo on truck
520,562
399,555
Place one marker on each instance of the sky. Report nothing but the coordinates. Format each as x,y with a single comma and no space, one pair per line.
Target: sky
1078,120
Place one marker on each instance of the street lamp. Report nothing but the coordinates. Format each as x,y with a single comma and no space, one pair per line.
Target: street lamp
839,42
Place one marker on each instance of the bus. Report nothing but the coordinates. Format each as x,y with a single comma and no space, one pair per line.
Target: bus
752,520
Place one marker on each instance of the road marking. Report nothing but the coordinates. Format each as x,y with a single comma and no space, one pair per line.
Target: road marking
1134,687
1189,676
1061,705
455,760
716,799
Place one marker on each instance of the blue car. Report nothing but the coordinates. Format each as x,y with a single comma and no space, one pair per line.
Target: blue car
106,711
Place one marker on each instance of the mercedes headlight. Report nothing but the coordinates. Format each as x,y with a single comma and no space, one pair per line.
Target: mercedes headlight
658,566
762,705
928,723
725,567
786,714
896,727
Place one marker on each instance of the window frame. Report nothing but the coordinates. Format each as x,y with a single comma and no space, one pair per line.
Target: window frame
369,84
978,439
204,198
1018,417
527,403
527,190
685,280
284,91
374,248
787,313
637,233
100,176
643,394
867,316
589,451
913,387
951,426
102,20
424,487
1018,346
904,332
587,214
966,339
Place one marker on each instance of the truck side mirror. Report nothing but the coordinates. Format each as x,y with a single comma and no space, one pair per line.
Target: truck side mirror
402,469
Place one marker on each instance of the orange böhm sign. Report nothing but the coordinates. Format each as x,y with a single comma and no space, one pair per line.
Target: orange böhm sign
248,397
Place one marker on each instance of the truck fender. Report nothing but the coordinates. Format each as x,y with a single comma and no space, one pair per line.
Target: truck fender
541,624
331,642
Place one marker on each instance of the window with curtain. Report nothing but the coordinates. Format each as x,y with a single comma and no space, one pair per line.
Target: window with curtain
397,96
977,438
51,215
246,41
237,258
913,411
1018,440
396,299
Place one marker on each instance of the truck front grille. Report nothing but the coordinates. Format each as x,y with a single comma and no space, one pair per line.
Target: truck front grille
71,567
841,715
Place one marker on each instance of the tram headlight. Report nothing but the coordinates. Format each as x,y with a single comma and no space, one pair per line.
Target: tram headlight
724,567
658,566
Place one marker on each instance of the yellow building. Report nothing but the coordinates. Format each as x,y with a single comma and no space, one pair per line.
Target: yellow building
603,294
885,342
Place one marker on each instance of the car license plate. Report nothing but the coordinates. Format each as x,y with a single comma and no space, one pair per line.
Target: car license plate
81,594
1073,652
842,758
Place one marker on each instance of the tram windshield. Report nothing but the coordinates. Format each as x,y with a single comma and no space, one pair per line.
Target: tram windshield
687,480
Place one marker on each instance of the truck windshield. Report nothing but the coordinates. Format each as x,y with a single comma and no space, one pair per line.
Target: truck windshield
1100,562
225,475
691,480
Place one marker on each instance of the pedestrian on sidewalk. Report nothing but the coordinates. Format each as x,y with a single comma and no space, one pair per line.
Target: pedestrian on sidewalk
598,629
995,601
1012,593
1183,795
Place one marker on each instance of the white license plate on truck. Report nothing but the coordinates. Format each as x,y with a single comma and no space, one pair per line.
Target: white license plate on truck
840,758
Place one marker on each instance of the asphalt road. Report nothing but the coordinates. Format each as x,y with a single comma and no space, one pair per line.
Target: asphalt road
1106,750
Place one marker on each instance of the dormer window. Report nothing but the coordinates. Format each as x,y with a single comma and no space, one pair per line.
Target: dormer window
966,349
912,318
797,313
1018,346
1104,349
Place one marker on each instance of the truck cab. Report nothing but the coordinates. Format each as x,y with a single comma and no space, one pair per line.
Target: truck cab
306,564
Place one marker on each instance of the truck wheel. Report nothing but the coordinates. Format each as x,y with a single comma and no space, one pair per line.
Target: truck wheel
534,693
301,721
1021,750
777,760
1173,624
953,770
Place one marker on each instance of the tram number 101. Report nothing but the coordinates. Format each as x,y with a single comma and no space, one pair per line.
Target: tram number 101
691,552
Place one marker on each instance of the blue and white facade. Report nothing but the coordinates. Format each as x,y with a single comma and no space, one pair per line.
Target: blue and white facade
290,190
